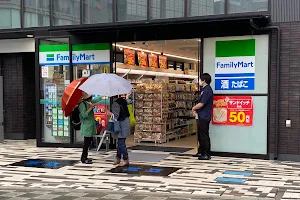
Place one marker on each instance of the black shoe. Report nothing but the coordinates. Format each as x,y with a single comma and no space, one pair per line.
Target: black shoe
204,157
197,155
87,161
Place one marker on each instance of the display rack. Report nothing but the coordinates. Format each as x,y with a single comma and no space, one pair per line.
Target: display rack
163,111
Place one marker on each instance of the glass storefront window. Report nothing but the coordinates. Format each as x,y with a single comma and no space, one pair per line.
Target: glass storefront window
66,12
131,10
10,14
97,11
241,6
161,9
205,7
36,13
55,76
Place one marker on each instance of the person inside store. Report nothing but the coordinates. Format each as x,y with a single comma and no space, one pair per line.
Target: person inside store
203,111
119,110
87,127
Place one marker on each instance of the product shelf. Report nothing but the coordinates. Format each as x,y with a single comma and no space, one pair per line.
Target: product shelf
171,103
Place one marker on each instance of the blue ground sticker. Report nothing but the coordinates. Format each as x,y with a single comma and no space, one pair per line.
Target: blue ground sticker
230,180
45,163
238,173
148,170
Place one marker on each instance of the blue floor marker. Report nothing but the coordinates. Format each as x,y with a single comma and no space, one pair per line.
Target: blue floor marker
238,173
230,180
145,170
45,163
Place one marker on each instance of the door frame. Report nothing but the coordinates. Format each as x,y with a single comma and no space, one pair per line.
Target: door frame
39,129
1,109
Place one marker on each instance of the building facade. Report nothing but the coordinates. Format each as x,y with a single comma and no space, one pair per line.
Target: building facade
29,23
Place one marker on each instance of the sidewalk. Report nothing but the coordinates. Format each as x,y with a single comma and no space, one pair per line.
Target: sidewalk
258,179
67,194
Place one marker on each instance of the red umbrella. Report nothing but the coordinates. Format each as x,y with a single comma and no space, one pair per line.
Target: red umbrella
72,96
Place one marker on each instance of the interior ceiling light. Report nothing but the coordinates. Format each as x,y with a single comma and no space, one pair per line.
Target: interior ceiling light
30,36
151,73
159,53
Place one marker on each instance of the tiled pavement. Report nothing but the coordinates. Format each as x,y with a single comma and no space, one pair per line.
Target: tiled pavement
59,194
269,180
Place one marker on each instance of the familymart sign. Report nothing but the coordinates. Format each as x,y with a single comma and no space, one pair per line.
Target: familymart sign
50,55
235,65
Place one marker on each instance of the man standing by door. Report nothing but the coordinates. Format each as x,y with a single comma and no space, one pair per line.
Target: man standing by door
204,109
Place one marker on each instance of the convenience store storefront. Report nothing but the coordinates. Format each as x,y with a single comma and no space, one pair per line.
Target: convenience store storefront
240,77
55,74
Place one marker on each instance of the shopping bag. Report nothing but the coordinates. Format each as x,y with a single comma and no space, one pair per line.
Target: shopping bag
110,124
113,125
131,117
117,126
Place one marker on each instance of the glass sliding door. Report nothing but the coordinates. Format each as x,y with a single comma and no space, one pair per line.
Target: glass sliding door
99,62
54,62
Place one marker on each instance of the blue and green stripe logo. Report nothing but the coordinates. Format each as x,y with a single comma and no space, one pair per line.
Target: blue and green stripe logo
50,57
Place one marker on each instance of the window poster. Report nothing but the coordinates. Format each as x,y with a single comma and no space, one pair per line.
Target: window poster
233,110
100,114
45,72
50,94
60,124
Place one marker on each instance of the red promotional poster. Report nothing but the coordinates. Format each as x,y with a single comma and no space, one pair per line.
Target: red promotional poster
100,115
233,110
153,62
163,62
142,57
129,57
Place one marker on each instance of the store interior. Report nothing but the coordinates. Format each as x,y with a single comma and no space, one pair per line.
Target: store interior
164,75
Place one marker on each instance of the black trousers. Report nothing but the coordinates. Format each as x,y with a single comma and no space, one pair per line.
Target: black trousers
86,144
203,137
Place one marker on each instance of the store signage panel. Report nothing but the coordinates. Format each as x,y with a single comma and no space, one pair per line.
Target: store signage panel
81,54
143,59
235,65
233,110
153,60
163,62
129,57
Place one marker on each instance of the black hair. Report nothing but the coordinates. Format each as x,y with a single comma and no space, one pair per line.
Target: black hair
89,98
206,77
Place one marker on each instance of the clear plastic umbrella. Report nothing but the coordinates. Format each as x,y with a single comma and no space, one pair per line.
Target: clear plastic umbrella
107,85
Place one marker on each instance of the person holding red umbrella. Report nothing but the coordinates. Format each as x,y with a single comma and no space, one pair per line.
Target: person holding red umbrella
87,127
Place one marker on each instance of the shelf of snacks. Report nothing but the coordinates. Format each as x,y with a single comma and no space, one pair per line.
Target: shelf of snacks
151,112
163,111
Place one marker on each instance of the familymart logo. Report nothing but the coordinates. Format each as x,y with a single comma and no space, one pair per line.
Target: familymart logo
50,57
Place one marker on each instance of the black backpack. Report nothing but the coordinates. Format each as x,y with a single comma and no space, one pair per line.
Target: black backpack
76,122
